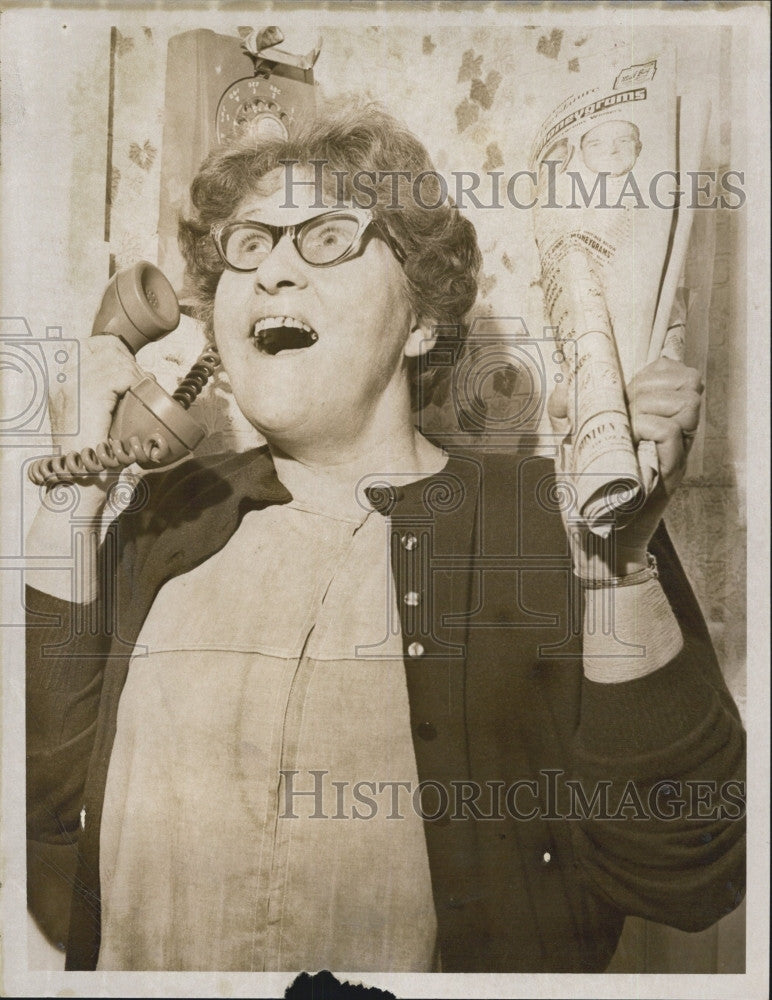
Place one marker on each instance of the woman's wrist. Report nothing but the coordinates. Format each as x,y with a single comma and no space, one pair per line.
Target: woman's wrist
603,557
644,637
628,560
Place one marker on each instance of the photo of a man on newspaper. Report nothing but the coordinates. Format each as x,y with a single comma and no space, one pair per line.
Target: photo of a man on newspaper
611,147
398,687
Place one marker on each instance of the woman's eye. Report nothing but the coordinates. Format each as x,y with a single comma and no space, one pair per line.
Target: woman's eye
327,240
249,242
329,236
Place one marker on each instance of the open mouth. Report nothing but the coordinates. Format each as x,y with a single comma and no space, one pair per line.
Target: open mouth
274,334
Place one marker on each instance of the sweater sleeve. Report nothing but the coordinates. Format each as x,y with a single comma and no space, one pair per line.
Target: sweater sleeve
69,647
66,650
665,840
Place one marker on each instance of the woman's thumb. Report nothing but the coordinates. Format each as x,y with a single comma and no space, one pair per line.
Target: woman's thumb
557,409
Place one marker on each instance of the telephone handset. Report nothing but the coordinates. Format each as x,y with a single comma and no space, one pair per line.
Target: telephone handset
149,426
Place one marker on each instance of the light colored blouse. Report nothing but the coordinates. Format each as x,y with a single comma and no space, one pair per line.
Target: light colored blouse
281,653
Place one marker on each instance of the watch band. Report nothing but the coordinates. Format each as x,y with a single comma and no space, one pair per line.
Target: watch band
650,572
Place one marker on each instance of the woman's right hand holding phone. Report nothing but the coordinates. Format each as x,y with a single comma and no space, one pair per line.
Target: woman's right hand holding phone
85,399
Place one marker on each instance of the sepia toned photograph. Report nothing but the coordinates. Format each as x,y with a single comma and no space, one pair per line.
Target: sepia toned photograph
385,500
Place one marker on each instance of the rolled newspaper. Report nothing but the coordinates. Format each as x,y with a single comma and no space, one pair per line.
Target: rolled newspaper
611,263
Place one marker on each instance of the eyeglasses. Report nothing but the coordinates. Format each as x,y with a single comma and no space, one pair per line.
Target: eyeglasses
322,241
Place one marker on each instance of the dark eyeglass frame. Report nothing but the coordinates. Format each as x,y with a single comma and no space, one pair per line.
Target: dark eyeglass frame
365,218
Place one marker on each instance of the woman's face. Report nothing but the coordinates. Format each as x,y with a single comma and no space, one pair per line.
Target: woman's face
324,385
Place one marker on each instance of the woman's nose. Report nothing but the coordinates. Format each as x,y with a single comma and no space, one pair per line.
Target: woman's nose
282,268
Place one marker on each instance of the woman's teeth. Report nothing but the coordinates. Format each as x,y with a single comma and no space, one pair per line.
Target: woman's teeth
274,322
282,333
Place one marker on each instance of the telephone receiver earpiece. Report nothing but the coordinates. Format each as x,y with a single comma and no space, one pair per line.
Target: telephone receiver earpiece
139,306
149,427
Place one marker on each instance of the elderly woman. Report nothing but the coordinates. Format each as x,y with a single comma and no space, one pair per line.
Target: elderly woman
329,708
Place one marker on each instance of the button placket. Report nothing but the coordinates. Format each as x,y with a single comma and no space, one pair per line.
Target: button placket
409,541
410,585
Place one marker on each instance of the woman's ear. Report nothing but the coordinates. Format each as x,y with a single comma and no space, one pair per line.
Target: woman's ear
421,339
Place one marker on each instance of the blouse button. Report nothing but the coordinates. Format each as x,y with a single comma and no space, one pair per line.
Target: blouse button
415,649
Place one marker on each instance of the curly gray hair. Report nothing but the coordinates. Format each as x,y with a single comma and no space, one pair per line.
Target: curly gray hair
352,142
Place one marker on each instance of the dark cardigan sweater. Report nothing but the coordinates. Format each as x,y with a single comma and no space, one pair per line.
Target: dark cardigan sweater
497,695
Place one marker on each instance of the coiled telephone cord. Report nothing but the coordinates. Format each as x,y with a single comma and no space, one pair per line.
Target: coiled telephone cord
110,454
114,454
202,370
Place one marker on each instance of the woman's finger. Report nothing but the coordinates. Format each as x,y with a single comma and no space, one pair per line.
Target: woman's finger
683,406
665,374
557,409
669,440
